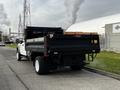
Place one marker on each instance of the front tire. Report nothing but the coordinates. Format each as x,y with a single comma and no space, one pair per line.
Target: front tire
41,67
18,55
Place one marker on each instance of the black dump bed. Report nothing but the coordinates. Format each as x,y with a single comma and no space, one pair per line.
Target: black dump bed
59,42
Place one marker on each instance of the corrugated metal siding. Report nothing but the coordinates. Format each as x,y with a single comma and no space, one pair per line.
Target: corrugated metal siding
112,40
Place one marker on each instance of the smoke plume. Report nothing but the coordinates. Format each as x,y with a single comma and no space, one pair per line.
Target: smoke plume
72,7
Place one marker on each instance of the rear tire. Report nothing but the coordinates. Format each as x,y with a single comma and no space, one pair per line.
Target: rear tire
18,55
41,67
80,63
77,67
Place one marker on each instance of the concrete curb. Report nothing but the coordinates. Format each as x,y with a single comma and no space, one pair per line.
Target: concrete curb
108,74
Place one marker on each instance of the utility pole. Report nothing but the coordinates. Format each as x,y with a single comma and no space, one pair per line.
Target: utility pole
26,15
19,26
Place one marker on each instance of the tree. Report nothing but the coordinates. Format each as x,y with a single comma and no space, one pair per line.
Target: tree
5,38
0,35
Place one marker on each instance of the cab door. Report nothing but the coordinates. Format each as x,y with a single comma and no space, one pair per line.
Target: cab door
22,49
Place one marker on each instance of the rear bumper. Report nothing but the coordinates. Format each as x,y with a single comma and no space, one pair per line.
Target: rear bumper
75,49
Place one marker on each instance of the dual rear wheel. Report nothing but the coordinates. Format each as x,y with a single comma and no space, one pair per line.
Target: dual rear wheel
41,67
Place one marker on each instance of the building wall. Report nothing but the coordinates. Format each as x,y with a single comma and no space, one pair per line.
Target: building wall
102,41
112,40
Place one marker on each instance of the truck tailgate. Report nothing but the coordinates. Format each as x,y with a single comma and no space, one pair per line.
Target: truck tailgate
67,43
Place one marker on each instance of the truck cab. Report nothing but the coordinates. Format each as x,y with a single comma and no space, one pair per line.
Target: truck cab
20,50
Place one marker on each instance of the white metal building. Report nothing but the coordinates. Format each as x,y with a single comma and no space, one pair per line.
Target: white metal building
95,25
112,37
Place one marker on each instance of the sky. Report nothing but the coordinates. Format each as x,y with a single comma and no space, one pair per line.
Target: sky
54,12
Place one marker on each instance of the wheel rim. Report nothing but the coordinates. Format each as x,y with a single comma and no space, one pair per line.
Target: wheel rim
37,66
17,55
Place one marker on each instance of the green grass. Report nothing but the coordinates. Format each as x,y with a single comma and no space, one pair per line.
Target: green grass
11,45
107,61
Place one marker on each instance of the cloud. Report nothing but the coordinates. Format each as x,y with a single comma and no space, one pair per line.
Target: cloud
53,12
98,8
4,22
43,12
49,14
12,9
3,16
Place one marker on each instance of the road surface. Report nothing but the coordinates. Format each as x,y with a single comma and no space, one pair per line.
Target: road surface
16,75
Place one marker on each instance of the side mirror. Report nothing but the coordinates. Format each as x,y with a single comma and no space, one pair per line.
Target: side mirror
21,41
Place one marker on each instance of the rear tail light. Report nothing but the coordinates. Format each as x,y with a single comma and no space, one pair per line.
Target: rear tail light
94,41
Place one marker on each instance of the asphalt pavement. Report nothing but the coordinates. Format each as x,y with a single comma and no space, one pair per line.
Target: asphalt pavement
16,75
